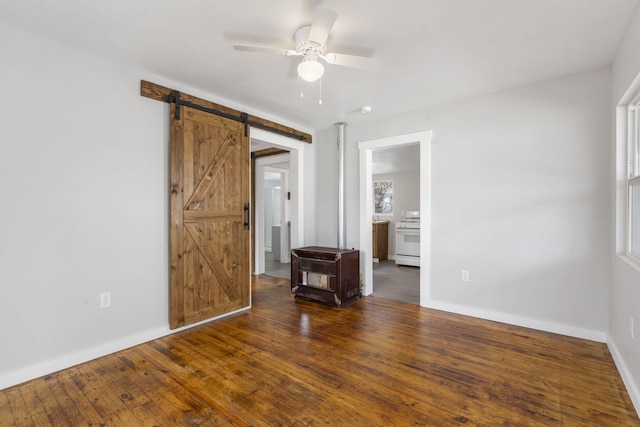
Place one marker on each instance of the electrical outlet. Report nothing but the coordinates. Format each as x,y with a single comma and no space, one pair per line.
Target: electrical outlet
105,300
464,275
631,327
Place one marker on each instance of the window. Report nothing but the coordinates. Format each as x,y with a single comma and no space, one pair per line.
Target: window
383,197
633,179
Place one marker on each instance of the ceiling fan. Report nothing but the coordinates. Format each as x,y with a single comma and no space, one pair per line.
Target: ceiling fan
310,44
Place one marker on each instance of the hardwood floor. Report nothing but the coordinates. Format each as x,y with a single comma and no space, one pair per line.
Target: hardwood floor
294,362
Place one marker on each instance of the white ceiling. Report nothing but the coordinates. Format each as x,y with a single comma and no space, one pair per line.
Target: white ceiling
396,160
434,51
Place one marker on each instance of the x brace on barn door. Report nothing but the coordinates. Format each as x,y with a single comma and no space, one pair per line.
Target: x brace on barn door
174,98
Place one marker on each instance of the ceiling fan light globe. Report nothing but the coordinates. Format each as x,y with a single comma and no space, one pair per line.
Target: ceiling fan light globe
310,71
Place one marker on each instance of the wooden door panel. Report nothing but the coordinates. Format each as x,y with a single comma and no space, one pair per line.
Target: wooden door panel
209,241
210,180
213,258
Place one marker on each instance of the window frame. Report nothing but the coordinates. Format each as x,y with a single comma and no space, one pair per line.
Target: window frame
389,213
633,177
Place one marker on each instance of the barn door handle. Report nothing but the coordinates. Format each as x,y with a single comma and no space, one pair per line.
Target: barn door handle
247,209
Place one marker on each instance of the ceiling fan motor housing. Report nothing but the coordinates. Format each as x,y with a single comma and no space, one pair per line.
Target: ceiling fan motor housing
304,46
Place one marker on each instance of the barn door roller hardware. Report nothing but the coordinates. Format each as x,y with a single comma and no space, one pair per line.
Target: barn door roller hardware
161,93
174,98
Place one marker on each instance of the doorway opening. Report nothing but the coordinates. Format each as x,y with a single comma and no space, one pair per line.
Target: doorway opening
275,221
396,222
367,215
277,206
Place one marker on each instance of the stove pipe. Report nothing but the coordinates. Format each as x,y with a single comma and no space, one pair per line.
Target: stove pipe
342,233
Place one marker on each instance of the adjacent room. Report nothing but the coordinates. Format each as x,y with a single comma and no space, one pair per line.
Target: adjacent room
312,212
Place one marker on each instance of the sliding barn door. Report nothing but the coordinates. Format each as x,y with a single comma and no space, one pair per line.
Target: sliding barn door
209,238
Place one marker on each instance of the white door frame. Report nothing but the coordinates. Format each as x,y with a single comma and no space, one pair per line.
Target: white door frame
366,206
296,187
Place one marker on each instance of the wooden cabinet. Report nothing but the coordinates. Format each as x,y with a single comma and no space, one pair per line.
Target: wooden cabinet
327,275
380,240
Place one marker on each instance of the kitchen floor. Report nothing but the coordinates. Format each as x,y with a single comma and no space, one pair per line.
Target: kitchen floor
276,268
398,282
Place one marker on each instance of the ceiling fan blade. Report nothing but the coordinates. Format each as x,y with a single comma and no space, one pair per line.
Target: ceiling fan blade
353,61
265,49
323,20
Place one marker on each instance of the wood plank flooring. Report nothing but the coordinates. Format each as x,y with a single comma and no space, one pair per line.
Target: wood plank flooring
377,362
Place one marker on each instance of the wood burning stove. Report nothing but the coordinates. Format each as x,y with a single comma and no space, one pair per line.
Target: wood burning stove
327,275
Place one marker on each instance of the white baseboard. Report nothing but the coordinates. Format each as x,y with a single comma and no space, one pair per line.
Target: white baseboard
627,379
18,376
511,319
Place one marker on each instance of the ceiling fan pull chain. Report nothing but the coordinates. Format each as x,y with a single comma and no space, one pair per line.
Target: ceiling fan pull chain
320,97
301,87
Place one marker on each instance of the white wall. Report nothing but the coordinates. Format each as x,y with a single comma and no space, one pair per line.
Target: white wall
326,209
84,206
406,197
519,198
625,279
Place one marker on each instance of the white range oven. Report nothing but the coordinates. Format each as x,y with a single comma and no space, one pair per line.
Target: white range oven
408,239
